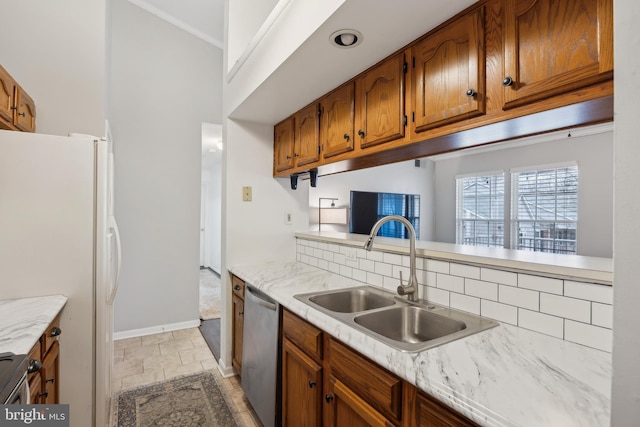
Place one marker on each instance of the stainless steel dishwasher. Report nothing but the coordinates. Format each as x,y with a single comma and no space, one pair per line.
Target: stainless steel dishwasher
260,354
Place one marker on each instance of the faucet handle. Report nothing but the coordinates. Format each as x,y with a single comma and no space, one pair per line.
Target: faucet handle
401,278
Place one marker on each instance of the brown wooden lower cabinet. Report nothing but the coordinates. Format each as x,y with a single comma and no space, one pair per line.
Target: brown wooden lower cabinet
326,383
44,383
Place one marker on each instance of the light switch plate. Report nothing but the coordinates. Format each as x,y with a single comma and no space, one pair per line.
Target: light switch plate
246,194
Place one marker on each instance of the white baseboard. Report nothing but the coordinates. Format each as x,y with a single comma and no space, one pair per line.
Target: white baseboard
132,333
225,371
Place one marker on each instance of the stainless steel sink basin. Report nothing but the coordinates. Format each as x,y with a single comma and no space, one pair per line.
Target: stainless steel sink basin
352,300
409,324
401,324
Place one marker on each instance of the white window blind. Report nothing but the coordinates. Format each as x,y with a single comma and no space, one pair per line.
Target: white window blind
480,210
544,214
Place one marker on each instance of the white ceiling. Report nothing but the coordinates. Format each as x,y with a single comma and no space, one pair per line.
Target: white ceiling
202,18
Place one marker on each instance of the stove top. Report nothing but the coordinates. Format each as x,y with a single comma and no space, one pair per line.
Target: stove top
12,369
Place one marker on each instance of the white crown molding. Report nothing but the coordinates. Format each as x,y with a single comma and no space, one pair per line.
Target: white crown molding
177,22
257,38
521,142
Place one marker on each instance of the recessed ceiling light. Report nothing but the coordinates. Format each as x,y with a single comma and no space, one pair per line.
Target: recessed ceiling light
345,38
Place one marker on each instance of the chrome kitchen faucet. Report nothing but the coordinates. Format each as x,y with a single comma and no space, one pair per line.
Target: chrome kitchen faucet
411,289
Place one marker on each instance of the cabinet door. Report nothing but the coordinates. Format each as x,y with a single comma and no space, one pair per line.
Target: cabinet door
238,325
344,407
50,374
307,138
430,413
337,121
380,103
552,46
301,388
25,113
7,87
283,145
449,75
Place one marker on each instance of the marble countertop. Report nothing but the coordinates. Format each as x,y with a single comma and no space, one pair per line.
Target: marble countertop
505,376
24,320
573,267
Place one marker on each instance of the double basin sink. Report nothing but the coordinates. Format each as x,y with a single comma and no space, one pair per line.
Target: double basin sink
404,325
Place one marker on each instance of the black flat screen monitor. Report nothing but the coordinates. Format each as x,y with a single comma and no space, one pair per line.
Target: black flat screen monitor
368,207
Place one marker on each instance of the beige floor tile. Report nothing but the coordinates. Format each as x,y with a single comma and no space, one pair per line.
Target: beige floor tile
208,365
196,355
127,343
176,371
141,352
142,379
157,338
186,333
116,385
199,342
157,362
247,419
118,355
176,344
127,368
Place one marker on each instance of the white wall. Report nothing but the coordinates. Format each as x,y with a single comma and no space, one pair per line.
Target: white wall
594,154
212,203
403,177
164,84
59,59
625,405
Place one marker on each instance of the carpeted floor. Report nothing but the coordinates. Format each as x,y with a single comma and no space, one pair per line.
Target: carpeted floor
209,294
189,401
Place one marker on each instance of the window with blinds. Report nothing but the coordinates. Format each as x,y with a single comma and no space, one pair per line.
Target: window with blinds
480,210
544,213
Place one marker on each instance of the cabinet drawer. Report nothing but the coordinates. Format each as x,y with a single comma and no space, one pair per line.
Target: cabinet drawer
376,386
51,335
237,285
306,336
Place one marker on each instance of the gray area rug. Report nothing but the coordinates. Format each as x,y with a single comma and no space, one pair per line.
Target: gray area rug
189,401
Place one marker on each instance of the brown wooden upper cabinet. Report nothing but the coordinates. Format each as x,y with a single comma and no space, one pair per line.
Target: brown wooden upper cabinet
551,47
307,139
449,73
17,109
337,119
380,103
283,145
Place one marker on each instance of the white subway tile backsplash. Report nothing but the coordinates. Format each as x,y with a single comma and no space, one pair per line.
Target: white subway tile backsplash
366,265
468,271
500,312
435,295
542,284
359,275
498,276
383,269
450,283
465,303
519,297
374,279
437,266
575,311
602,315
591,336
543,323
571,308
346,271
392,258
589,291
480,289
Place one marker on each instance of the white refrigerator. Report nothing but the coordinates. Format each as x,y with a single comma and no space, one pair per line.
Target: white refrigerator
58,236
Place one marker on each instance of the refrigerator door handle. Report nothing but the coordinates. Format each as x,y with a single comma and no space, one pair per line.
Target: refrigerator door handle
114,226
